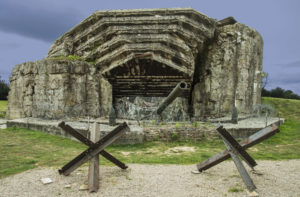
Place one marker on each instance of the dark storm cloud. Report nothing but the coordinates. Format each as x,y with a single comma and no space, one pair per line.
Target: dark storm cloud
37,20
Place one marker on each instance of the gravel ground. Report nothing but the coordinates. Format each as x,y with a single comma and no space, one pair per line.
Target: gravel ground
272,178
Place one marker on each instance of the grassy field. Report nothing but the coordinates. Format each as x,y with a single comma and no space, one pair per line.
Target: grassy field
3,108
288,108
22,149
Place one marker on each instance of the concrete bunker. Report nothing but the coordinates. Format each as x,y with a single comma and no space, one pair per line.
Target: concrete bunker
132,59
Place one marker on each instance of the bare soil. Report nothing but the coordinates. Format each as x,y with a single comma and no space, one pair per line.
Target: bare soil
272,178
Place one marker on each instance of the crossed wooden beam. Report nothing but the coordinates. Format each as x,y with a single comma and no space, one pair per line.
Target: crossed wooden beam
235,149
93,151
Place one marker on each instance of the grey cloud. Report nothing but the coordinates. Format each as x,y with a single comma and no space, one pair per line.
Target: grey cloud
9,45
286,81
288,78
37,21
295,63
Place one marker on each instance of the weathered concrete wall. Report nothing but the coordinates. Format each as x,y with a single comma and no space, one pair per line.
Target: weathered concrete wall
105,97
139,46
109,37
230,72
141,108
56,89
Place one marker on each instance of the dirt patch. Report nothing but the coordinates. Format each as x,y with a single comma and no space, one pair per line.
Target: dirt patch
253,149
148,151
272,178
180,149
125,153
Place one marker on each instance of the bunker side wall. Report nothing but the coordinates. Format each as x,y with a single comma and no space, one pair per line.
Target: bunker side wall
55,89
231,73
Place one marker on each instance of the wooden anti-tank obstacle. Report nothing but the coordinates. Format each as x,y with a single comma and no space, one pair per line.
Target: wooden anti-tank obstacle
235,149
92,153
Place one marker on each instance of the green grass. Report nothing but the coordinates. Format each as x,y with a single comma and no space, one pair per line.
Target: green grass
288,108
22,149
235,189
286,144
3,108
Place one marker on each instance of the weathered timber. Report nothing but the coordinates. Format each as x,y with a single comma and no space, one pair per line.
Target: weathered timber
236,146
127,83
120,95
144,79
113,160
93,175
239,165
147,92
163,85
248,142
177,91
75,133
88,142
145,87
94,149
158,77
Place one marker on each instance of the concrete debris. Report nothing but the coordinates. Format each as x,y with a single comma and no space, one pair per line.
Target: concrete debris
83,187
46,181
252,194
67,186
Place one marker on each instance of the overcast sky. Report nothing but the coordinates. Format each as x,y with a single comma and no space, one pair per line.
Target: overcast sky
28,27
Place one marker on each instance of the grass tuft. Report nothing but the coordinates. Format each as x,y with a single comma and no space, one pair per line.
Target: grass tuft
234,189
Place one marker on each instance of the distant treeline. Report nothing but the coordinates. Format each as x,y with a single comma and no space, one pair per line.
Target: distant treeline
4,89
280,93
